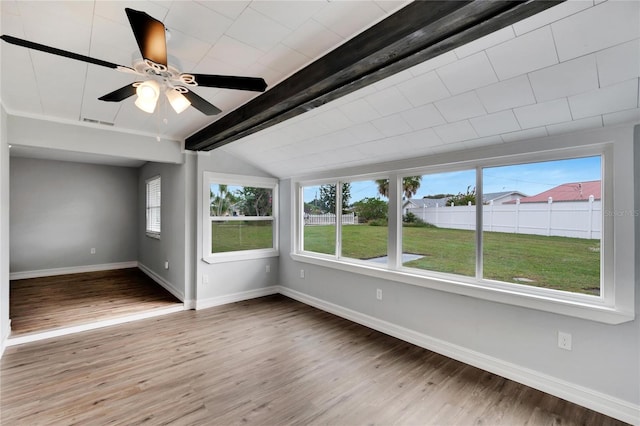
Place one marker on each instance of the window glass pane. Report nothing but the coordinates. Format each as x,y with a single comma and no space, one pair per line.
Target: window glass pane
542,224
237,235
234,200
319,226
153,205
364,220
439,219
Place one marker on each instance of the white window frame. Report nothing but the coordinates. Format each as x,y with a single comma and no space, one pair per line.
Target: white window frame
612,306
152,232
210,178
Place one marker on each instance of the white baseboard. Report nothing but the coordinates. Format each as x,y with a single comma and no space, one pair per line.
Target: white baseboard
33,337
4,337
597,401
71,270
164,283
236,297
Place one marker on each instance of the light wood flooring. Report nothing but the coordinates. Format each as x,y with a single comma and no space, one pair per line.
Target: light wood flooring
49,303
267,361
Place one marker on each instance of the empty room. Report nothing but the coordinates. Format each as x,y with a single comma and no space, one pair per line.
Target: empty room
320,212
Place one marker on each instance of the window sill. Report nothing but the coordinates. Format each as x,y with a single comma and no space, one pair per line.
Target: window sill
239,256
585,309
153,235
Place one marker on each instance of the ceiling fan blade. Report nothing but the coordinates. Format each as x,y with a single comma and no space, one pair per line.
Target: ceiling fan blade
60,52
120,94
150,35
253,84
201,104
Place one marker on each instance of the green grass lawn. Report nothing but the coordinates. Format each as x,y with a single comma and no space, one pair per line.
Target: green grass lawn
570,264
236,235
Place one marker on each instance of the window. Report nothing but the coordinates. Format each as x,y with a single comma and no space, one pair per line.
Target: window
240,217
153,207
526,229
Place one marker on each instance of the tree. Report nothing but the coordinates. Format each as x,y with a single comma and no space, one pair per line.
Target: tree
371,209
222,201
410,186
255,201
328,197
463,199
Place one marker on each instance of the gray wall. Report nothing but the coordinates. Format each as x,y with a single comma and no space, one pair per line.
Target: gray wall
60,210
604,357
4,231
228,277
177,205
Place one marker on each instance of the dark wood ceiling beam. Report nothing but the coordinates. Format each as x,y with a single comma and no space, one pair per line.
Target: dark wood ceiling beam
420,31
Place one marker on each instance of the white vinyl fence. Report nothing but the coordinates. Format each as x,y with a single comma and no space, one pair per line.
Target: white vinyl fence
577,219
329,219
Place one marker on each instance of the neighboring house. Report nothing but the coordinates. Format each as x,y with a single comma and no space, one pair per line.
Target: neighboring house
502,197
573,191
419,203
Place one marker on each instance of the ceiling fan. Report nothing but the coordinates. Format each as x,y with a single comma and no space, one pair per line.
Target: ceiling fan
158,75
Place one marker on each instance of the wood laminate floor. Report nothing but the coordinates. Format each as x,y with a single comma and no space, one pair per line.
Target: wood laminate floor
49,303
267,361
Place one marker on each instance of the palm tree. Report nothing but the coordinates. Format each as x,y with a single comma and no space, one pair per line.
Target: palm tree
410,186
222,201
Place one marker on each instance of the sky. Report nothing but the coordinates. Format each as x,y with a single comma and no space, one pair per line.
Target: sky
530,179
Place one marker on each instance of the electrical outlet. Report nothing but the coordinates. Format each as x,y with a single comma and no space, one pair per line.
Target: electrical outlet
267,268
166,264
301,273
379,294
564,340
93,250
205,279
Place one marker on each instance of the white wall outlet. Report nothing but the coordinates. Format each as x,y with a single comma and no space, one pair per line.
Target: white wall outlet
301,273
205,279
166,264
267,268
93,250
564,340
379,294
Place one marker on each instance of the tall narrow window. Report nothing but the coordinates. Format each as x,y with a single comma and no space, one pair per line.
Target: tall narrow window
153,207
319,221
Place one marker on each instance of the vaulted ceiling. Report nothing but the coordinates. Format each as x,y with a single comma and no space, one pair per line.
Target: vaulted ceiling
572,67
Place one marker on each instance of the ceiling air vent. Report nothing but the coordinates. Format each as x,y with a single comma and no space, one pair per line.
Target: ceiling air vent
91,120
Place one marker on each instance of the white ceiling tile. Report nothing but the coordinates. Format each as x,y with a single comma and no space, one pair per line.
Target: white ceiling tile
622,117
614,98
597,28
271,76
388,101
467,74
393,80
534,133
565,79
359,111
11,23
424,89
230,9
284,59
365,132
361,14
392,125
113,42
543,113
495,124
114,10
22,97
257,30
392,5
456,132
234,52
507,94
291,14
530,52
434,63
550,15
333,120
312,39
485,42
575,126
214,66
423,138
197,21
460,107
423,117
619,63
189,50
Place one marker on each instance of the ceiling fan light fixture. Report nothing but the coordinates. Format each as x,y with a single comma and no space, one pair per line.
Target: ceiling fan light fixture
148,93
177,100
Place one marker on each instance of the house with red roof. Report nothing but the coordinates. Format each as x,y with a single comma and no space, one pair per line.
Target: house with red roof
574,191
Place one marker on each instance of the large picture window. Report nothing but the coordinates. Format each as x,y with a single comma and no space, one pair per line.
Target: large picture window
240,217
537,229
